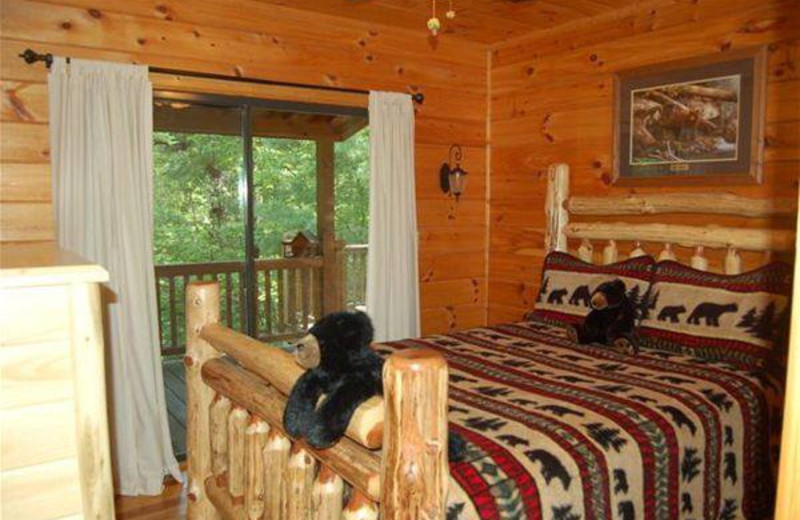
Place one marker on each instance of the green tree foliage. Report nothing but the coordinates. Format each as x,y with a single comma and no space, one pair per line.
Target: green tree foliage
352,189
198,206
199,214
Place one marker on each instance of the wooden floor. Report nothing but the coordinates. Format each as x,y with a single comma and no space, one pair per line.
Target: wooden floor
170,504
175,392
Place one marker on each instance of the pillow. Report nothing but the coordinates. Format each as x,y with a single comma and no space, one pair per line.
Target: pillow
568,282
735,318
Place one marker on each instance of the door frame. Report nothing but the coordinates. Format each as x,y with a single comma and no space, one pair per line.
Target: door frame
246,105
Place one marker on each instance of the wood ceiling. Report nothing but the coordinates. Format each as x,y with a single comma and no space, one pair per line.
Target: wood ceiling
481,21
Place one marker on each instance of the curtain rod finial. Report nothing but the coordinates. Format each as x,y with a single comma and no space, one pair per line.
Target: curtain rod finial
30,56
418,98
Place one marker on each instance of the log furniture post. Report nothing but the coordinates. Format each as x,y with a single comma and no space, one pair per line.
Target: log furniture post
414,470
731,242
555,212
202,308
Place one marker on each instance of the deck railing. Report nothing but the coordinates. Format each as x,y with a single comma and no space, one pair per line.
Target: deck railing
355,276
289,295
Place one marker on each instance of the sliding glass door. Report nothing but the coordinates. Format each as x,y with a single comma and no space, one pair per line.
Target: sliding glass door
236,180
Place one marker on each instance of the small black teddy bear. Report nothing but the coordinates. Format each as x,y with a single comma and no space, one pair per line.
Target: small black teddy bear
611,320
340,364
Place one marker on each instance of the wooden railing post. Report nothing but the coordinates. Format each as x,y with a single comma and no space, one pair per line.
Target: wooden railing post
414,470
202,308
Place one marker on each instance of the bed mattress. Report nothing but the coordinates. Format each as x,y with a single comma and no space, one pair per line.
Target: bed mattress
561,431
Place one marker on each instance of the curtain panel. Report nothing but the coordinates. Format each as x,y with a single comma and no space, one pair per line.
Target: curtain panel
392,279
101,131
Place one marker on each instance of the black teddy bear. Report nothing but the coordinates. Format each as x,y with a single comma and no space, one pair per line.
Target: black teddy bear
611,320
340,364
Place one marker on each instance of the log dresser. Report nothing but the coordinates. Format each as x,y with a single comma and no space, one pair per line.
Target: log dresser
54,447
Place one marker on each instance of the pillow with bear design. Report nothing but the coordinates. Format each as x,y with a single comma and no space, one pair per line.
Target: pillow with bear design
736,318
568,282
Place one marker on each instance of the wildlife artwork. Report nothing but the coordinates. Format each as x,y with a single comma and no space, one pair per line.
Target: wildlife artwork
684,122
697,118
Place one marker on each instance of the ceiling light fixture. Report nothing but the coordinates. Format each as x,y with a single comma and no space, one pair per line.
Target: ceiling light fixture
433,22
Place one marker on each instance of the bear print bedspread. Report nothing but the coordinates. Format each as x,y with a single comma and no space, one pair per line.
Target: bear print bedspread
566,432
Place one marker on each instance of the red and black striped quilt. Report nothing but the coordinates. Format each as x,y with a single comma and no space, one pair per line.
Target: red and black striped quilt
566,432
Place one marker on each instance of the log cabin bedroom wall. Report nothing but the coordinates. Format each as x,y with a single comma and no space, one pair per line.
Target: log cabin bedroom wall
260,40
552,101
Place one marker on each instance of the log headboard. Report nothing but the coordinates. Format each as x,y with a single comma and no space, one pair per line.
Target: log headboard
662,238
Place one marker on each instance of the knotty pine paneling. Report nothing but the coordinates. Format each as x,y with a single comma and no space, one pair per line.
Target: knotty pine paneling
551,101
257,40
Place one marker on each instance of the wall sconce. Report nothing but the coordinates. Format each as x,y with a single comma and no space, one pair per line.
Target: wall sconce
453,180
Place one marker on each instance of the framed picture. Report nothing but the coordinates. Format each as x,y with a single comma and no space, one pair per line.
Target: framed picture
694,121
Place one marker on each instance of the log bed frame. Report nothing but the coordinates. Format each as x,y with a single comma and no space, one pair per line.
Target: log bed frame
393,461
242,465
559,206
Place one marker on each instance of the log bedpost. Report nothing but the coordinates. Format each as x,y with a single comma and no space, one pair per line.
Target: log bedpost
637,250
555,212
276,459
327,495
414,472
202,308
255,439
667,253
733,262
698,260
610,253
237,423
298,484
585,251
220,409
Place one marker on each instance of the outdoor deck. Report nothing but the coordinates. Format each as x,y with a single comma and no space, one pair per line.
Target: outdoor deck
175,393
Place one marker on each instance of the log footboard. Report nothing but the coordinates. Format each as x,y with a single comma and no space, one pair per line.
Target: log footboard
242,465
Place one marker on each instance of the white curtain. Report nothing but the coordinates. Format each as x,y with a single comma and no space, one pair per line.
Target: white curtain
392,281
101,130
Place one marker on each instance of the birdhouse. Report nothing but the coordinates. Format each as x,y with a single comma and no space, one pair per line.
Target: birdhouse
300,243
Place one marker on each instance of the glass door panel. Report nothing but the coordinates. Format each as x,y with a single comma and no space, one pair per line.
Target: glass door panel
198,212
285,208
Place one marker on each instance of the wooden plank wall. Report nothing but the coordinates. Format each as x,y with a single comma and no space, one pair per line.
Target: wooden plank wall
252,39
551,101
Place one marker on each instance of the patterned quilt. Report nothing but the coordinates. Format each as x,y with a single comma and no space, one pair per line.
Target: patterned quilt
566,432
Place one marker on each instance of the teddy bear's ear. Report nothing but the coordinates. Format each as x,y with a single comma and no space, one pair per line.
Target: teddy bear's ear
365,328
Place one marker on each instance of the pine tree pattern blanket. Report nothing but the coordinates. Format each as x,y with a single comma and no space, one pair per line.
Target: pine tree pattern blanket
566,432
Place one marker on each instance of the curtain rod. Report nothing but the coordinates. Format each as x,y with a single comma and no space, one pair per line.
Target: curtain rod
30,56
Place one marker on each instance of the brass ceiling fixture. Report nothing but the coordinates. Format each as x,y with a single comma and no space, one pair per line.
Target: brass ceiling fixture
433,23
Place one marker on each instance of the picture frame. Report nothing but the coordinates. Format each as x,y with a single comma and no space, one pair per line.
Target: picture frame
695,121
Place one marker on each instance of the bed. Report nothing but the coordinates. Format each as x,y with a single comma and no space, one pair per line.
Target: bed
564,431
554,430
